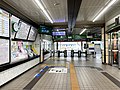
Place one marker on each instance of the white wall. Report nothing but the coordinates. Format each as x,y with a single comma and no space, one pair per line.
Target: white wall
11,73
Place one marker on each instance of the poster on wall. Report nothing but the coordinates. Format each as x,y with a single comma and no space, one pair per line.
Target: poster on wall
21,51
18,52
115,47
22,33
32,34
4,23
4,51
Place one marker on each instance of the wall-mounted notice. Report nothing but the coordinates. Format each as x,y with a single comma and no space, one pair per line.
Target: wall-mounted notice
23,31
4,51
32,34
4,23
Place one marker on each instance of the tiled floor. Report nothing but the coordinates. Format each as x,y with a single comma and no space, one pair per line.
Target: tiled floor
53,81
20,82
88,78
92,79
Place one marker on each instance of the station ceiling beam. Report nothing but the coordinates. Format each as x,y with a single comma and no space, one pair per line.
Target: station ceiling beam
73,9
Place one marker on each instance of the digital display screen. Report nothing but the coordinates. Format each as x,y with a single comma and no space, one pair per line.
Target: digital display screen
45,30
4,49
32,34
58,33
23,31
4,23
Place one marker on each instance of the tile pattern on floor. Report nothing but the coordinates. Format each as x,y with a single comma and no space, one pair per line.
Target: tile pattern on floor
20,82
53,81
92,79
91,76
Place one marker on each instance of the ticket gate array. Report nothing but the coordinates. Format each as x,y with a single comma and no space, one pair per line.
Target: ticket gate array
65,53
72,53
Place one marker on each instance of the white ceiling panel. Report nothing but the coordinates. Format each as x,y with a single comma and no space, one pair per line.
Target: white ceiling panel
113,12
90,8
57,12
28,8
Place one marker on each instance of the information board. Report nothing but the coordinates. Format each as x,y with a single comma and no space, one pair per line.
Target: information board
4,51
61,33
32,34
4,23
45,30
23,31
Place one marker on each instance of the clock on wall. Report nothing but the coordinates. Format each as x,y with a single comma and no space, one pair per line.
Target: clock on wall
15,27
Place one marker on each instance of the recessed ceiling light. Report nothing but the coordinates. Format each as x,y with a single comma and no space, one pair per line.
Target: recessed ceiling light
57,29
56,4
83,31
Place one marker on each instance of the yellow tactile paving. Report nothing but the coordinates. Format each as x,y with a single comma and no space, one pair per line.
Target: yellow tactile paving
73,77
43,65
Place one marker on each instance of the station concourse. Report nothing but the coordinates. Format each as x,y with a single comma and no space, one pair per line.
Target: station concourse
59,44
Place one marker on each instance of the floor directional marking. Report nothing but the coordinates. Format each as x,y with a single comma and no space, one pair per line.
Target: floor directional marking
73,77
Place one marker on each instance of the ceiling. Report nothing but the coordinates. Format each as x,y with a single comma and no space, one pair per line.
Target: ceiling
58,10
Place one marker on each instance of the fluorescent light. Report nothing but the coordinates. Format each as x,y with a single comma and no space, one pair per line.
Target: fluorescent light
1,11
83,31
107,6
43,9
